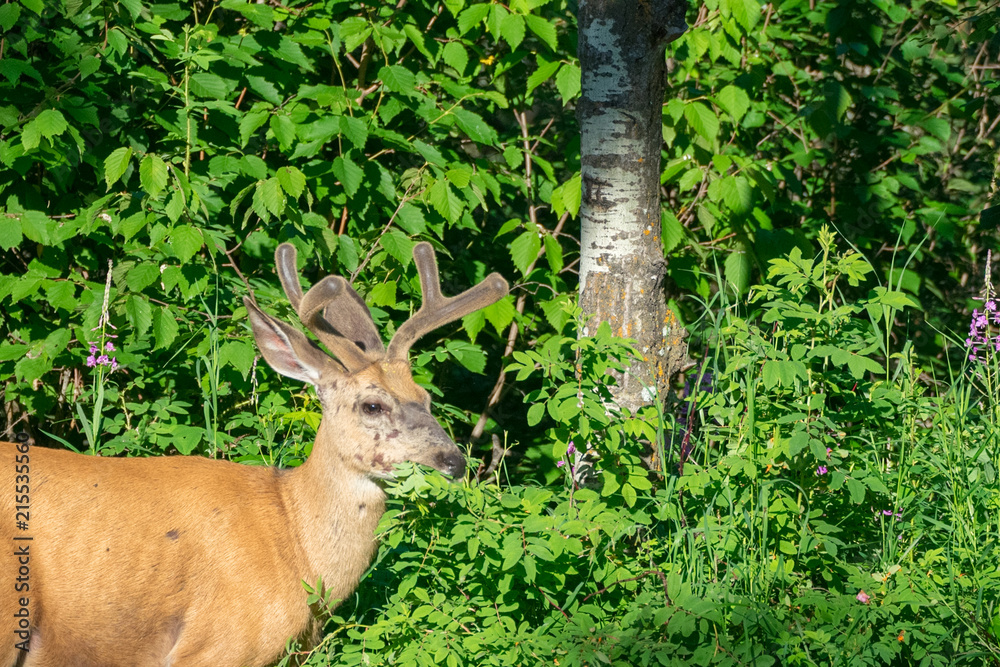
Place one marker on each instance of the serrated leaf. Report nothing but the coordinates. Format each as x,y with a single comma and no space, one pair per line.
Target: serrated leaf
383,295
524,250
142,276
472,17
292,181
542,74
734,101
185,241
283,129
553,254
355,130
672,231
9,14
175,206
398,244
737,270
165,328
398,79
501,313
445,201
153,175
545,30
139,313
459,177
207,85
512,30
567,197
250,123
349,174
475,127
269,195
10,232
411,219
702,120
238,354
455,56
48,124
568,82
116,164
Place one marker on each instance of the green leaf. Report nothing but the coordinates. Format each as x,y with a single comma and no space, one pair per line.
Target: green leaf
545,30
475,127
212,86
454,54
734,101
292,181
857,490
398,244
568,82
283,129
238,354
355,130
138,313
142,276
153,175
444,200
164,328
702,120
250,123
472,17
10,231
48,124
175,206
524,250
398,79
411,219
512,30
567,197
737,269
269,196
350,174
8,15
185,241
535,414
501,313
116,164
542,74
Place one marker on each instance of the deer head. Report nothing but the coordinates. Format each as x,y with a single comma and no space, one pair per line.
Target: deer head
378,414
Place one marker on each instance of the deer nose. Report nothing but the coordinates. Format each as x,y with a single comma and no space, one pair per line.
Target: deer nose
450,462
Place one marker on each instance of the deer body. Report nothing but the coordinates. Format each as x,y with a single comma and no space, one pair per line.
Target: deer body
185,561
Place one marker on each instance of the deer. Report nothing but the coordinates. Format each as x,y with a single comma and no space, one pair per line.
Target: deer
185,561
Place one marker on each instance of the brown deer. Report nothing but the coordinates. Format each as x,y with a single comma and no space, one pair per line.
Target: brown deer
183,561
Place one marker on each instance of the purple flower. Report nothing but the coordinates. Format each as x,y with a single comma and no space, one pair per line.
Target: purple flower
863,597
93,348
571,449
103,359
821,470
560,464
109,346
91,361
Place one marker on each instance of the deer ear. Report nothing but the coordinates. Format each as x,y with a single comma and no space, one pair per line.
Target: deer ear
287,350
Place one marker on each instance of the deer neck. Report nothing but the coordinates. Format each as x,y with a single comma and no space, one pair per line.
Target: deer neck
334,510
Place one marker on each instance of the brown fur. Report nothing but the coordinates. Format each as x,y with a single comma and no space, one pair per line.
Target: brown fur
189,562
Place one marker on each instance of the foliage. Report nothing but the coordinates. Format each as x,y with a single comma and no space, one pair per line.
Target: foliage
822,492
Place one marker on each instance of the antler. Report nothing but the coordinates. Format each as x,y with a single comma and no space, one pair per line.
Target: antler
437,310
333,311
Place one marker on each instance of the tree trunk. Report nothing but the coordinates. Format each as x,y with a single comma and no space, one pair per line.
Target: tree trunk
622,265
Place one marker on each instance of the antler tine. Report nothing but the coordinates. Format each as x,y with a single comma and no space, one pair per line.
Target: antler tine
320,296
329,299
437,310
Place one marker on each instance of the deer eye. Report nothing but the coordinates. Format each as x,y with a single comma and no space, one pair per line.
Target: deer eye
372,408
